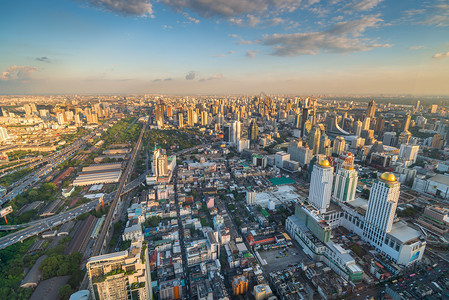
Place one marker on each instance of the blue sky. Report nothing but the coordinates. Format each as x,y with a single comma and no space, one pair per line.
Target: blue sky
224,46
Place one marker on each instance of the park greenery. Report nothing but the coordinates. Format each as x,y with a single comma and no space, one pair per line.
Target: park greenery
60,265
172,138
152,222
12,272
123,132
20,154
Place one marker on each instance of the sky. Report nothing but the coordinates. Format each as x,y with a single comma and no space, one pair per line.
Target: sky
224,47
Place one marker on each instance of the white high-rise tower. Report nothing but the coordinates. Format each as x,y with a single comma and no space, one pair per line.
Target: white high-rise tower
346,181
383,200
321,185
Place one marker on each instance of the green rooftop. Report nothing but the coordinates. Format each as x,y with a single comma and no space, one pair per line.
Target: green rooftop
281,180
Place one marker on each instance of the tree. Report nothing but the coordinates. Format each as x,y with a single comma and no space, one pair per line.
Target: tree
152,221
64,292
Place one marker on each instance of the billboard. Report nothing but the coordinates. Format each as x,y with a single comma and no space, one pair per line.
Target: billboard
5,211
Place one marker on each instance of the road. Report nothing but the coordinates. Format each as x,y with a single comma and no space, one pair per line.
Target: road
181,233
39,226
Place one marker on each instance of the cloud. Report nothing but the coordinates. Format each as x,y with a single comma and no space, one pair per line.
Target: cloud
191,75
190,19
213,77
231,8
240,40
139,8
167,27
21,73
415,47
224,54
159,80
251,54
441,55
43,59
364,5
253,20
435,14
342,37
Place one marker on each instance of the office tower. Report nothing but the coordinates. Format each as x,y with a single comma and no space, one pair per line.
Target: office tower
366,123
321,185
2,112
297,121
325,145
240,285
339,145
304,118
358,128
227,132
94,118
27,109
204,118
408,153
293,149
250,197
371,110
437,141
3,134
60,117
406,123
433,109
346,181
313,139
77,120
160,162
121,275
190,120
180,120
170,111
383,200
417,105
380,124
389,139
235,132
253,131
421,121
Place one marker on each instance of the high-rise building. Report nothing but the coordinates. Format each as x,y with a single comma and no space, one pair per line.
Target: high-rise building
417,105
250,197
3,134
240,285
406,123
160,162
121,275
190,117
253,131
404,137
321,185
371,110
170,111
437,141
366,123
234,135
346,181
358,128
313,139
27,109
339,145
180,120
433,108
389,139
380,124
382,203
60,117
408,153
204,118
325,145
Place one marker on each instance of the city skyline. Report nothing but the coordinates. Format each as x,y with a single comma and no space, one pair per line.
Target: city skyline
216,47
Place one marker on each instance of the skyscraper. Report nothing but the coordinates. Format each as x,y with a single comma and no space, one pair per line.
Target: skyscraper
204,118
321,185
358,128
313,139
235,132
180,120
383,200
253,131
406,123
190,120
160,163
371,110
325,145
339,145
346,181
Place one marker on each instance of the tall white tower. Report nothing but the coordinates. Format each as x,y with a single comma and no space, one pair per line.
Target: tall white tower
382,203
321,185
346,181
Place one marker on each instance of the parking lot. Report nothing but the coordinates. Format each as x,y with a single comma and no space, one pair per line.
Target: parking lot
279,259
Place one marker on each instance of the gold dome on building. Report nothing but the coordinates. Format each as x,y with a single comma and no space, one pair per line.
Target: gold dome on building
324,163
388,176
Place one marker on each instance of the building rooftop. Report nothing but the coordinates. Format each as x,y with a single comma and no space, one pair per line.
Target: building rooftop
403,232
110,256
443,179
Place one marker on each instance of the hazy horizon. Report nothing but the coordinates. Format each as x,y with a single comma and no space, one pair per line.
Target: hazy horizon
358,47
